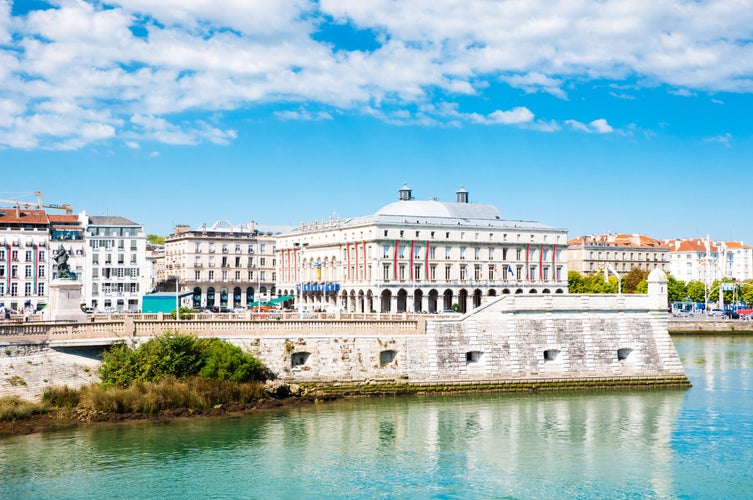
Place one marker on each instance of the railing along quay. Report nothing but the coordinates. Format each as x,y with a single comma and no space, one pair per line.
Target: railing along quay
114,327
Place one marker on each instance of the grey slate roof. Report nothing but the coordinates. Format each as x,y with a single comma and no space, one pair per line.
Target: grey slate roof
108,220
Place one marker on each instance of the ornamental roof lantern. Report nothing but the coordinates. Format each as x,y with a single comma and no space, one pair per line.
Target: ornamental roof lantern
461,195
405,193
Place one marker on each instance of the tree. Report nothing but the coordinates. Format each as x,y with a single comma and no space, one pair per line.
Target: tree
632,279
155,239
676,290
696,291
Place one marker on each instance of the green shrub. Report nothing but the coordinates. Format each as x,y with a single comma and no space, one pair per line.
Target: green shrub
224,361
178,357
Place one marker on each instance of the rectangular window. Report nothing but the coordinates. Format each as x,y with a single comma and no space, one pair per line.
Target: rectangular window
262,262
490,273
40,289
417,272
224,275
477,272
385,251
432,252
447,271
224,248
446,253
27,290
27,272
211,275
401,272
237,275
261,275
491,253
462,253
134,272
476,253
250,248
121,272
262,248
197,275
28,256
386,272
433,272
41,271
197,248
14,289
237,248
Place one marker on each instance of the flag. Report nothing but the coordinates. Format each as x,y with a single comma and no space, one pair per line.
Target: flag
509,271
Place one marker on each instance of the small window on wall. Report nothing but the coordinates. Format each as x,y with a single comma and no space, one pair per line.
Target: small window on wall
472,357
551,354
387,357
299,358
624,353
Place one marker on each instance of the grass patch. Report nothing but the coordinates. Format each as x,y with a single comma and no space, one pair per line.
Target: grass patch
152,397
13,408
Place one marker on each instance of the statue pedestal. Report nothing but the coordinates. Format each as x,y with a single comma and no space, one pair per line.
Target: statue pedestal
65,301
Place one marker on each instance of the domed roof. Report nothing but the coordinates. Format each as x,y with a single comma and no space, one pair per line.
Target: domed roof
434,208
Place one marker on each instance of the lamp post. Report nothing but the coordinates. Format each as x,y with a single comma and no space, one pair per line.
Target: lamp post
177,300
301,246
258,290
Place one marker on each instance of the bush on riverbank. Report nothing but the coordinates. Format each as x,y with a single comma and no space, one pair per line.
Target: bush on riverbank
179,357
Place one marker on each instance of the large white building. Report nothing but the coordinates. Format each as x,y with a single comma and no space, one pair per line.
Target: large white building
223,265
420,255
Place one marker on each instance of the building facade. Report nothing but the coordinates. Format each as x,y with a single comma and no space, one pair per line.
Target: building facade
419,256
24,258
706,260
223,265
616,253
116,271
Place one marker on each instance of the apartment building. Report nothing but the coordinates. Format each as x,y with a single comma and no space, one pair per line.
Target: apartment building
616,253
116,271
223,265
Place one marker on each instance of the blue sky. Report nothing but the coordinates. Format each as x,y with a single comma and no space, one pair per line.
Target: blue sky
593,116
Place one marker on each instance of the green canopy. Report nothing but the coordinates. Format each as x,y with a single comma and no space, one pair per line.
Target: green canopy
281,299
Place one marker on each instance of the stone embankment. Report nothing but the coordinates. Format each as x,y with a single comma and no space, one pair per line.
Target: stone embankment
689,326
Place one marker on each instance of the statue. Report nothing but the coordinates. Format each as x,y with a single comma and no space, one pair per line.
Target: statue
64,272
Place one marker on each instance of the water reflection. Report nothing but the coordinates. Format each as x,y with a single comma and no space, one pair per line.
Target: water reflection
638,444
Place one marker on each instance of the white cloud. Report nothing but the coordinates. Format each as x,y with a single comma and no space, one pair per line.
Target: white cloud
724,139
303,115
599,126
191,58
515,116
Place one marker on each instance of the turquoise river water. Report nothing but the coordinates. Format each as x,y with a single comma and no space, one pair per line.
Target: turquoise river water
694,443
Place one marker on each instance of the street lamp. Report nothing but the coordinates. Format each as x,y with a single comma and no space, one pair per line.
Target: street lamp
258,290
177,299
300,277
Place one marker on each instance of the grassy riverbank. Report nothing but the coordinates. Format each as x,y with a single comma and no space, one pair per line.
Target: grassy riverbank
64,407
